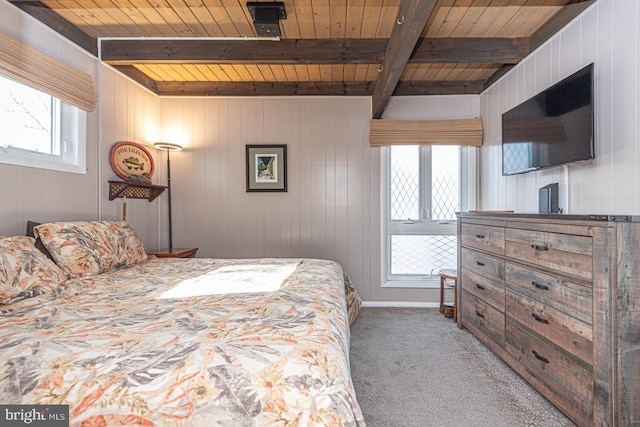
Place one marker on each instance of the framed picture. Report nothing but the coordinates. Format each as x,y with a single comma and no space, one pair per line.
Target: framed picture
266,167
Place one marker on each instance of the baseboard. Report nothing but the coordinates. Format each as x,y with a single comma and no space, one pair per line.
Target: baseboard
401,304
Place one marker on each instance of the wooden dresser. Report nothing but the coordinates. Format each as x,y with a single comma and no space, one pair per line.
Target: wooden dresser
557,297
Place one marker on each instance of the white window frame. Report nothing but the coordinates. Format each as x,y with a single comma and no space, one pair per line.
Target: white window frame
419,226
69,129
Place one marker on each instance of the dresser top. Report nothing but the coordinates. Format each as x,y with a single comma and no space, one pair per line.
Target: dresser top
595,217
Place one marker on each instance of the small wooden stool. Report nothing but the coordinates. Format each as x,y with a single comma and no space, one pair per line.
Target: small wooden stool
446,309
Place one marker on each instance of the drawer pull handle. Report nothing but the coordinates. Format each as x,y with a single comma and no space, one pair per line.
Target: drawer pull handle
479,314
540,358
540,248
540,319
539,286
479,286
480,236
481,264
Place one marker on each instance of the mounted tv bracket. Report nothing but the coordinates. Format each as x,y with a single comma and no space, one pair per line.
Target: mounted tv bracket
266,17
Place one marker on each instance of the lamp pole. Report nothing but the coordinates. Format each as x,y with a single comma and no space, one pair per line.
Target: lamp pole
169,195
168,146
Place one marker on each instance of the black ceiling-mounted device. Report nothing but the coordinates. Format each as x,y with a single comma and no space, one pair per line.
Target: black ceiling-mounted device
266,17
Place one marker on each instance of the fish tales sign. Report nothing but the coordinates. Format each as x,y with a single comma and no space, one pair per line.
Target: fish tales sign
132,162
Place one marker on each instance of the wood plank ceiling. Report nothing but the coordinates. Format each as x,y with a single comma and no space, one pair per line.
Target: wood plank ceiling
327,47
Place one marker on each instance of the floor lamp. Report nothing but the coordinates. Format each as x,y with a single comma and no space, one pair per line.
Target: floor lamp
168,147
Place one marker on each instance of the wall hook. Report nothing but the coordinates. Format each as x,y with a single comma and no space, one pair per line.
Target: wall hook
400,21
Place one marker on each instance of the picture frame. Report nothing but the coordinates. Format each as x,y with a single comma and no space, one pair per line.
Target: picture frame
266,168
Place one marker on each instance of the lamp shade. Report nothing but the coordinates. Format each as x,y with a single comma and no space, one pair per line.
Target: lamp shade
169,146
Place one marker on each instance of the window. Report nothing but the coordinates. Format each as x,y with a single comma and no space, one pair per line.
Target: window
422,194
39,130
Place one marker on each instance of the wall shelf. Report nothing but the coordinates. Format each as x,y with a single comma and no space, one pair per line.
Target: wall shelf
134,191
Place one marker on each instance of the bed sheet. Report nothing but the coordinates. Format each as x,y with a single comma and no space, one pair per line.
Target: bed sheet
187,342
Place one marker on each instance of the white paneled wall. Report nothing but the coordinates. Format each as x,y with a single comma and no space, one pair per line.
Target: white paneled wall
333,191
605,34
128,113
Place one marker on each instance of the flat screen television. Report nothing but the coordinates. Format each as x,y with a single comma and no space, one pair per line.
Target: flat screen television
555,127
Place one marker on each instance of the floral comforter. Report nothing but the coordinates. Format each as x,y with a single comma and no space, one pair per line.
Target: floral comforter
177,342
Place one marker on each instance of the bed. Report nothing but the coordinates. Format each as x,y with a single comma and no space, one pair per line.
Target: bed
128,339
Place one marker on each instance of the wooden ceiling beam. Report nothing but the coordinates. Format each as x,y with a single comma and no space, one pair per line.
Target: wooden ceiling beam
410,21
448,87
309,51
286,51
263,88
310,88
57,23
470,50
497,75
137,75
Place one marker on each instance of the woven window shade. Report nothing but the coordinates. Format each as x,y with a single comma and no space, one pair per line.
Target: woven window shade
25,64
425,132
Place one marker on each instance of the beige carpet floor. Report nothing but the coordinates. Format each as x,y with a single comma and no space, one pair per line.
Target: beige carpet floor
414,368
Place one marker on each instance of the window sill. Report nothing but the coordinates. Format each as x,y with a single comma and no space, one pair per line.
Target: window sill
41,163
433,283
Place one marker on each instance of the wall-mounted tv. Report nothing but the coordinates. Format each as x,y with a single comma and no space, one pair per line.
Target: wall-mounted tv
555,127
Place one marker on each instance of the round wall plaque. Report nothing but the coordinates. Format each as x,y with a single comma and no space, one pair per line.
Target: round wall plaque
132,162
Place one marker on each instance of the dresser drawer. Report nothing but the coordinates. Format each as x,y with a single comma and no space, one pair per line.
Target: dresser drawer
483,316
560,252
572,297
483,264
484,288
565,374
568,333
483,237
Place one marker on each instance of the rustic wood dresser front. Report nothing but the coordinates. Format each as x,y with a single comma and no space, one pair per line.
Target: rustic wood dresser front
557,297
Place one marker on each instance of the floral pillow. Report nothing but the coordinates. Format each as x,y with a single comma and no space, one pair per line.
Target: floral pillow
24,269
85,248
30,226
